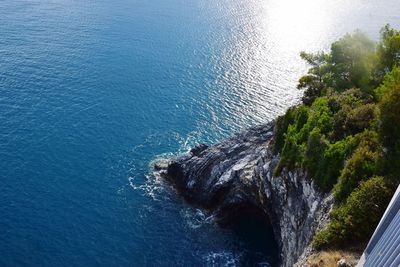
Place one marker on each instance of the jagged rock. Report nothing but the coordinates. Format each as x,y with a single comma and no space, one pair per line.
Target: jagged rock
234,177
198,149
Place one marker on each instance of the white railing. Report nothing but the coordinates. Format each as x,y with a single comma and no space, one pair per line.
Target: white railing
383,248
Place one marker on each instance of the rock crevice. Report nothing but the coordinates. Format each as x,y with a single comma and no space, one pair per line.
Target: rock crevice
234,177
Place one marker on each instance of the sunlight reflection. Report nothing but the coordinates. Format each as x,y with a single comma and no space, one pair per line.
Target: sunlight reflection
260,63
295,24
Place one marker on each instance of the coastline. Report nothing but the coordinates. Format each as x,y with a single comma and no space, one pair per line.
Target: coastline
233,178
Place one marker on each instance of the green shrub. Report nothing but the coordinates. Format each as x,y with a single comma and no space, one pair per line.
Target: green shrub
355,220
316,146
361,166
297,114
292,151
350,115
391,80
353,97
321,116
359,119
346,132
332,162
388,52
389,130
318,116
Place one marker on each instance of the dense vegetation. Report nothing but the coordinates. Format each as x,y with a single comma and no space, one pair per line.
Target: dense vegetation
346,134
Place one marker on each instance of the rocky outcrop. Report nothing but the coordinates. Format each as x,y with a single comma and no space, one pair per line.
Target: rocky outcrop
234,178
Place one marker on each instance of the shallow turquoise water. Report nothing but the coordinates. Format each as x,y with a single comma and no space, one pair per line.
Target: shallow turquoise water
91,92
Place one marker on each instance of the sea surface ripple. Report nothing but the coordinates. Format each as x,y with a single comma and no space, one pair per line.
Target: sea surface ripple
92,92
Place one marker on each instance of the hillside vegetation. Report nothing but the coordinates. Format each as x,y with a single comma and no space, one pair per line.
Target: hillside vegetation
346,133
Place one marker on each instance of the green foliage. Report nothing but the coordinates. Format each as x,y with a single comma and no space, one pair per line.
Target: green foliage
310,138
388,52
318,116
318,75
389,130
350,63
355,220
361,166
352,60
347,134
390,81
282,124
359,119
331,162
292,151
316,146
286,139
350,115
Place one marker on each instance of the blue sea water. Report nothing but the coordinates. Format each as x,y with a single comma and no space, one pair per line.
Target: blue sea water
92,92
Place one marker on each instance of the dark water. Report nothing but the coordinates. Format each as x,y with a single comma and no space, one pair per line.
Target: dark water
91,92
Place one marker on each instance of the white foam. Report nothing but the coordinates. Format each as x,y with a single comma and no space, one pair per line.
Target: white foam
196,218
223,258
152,187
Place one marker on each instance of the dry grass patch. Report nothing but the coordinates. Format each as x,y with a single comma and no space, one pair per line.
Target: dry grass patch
330,258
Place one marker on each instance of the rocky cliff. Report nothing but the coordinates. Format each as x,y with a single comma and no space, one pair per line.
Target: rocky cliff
234,178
